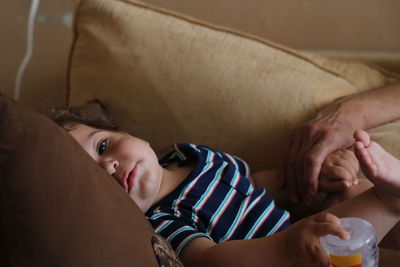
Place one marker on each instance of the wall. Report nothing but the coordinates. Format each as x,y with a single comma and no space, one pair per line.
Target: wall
46,74
368,30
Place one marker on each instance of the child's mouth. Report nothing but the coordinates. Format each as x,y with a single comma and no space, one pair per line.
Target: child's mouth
131,178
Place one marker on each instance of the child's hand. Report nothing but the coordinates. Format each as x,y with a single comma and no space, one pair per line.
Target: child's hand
339,171
303,243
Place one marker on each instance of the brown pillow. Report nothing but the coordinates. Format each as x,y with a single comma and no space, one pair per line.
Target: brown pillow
58,208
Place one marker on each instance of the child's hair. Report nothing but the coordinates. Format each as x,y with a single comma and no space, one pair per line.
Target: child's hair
93,113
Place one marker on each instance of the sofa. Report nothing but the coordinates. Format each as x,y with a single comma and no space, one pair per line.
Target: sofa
166,77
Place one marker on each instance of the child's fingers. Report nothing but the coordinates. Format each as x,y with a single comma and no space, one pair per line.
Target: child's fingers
334,186
328,223
323,223
326,217
342,173
346,159
349,162
323,229
336,179
353,168
318,254
343,159
356,165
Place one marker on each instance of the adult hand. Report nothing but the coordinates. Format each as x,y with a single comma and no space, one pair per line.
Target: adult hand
330,130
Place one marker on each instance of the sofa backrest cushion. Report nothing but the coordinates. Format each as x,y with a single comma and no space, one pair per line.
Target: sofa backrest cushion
170,78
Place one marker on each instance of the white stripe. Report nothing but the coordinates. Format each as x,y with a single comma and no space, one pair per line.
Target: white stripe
158,215
195,148
162,226
279,223
260,220
246,167
221,209
177,232
236,222
255,202
208,193
250,190
187,189
187,239
236,176
179,153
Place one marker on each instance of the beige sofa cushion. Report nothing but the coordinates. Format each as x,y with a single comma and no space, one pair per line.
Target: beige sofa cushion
170,78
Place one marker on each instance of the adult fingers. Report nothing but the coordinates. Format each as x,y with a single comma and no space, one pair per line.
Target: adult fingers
290,170
282,175
307,135
312,167
299,168
282,183
326,142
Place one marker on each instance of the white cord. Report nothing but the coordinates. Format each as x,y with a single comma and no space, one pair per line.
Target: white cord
29,48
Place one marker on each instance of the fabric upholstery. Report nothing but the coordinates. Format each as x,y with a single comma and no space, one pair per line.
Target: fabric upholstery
170,78
57,206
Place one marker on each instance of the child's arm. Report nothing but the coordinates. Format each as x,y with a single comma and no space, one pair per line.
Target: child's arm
298,243
270,180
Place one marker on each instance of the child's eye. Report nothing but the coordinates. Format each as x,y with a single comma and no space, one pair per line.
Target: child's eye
102,146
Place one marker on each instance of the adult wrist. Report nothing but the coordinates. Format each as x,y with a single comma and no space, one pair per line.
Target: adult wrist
350,111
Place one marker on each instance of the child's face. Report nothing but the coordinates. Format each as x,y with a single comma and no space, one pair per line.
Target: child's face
130,160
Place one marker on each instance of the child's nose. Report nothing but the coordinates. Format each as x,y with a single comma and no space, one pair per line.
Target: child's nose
110,166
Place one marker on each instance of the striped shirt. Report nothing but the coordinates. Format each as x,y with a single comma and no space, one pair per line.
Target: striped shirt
215,201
